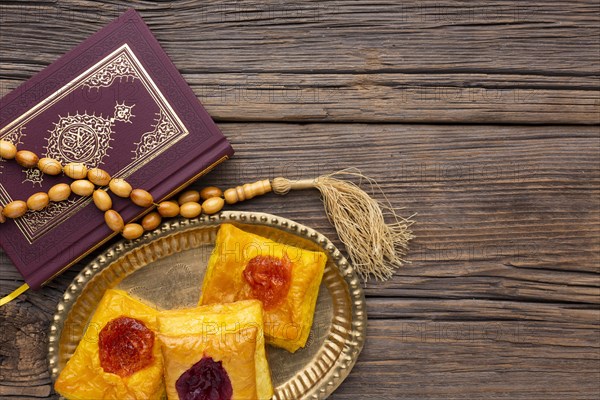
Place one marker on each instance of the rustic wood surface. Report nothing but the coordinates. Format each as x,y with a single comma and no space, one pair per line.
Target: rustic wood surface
482,117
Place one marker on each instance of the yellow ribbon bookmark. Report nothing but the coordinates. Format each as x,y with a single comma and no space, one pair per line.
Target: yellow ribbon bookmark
8,298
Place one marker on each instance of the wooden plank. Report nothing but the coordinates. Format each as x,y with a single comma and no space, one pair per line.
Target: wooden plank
426,359
23,349
515,202
415,61
501,298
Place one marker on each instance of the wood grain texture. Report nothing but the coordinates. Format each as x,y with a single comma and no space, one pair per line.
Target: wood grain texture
501,297
414,61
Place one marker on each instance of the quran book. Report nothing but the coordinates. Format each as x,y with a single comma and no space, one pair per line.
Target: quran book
115,102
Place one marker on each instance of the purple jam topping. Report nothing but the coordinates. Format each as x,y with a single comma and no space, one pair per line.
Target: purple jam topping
205,380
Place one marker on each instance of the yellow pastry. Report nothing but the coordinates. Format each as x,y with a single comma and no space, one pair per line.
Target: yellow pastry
119,355
215,350
284,278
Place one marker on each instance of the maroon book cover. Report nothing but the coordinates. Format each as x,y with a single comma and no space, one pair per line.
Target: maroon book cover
114,102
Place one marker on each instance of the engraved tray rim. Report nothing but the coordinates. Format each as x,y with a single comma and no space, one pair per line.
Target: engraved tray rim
352,347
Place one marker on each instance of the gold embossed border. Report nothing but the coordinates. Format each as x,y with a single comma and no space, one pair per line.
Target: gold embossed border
36,223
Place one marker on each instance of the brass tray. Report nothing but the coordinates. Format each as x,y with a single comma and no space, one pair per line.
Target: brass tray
165,268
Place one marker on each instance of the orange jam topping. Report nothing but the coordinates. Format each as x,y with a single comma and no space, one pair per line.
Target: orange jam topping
125,346
269,278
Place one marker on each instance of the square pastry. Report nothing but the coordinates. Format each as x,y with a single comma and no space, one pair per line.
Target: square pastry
215,352
284,278
119,355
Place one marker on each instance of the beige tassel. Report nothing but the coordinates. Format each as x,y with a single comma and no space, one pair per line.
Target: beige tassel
375,247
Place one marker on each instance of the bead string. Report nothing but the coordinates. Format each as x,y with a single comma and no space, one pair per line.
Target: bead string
375,246
188,204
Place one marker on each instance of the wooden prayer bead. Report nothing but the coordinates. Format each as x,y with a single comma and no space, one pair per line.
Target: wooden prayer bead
141,198
191,209
49,166
120,187
38,201
59,192
15,209
189,195
82,187
26,158
247,191
213,205
98,177
8,151
151,221
75,170
132,231
210,191
114,220
231,196
168,209
2,217
102,200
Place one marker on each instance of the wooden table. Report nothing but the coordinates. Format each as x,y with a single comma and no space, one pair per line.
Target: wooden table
482,117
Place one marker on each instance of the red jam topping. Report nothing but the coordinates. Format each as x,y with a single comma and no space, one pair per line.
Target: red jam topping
269,278
205,380
125,346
